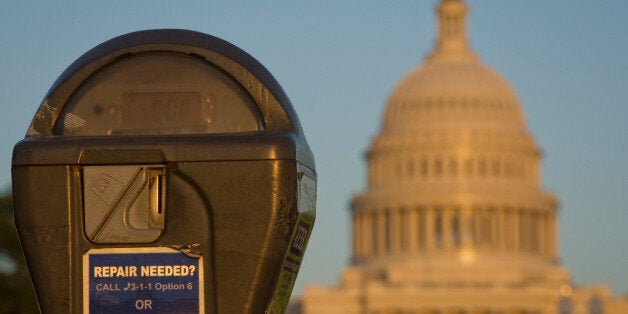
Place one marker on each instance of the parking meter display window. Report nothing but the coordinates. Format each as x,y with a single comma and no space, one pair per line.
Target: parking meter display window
158,94
152,280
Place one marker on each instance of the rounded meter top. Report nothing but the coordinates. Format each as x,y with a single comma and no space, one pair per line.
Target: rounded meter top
161,82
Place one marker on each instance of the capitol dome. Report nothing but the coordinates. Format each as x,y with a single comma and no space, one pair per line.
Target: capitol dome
454,175
454,217
452,86
464,92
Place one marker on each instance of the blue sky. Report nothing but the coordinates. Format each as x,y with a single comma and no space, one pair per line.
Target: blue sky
339,60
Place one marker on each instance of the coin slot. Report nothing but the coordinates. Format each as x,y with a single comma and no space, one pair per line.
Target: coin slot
156,195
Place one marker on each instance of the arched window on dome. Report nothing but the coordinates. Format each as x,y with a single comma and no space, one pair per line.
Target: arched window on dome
486,227
424,166
373,224
523,231
509,168
537,231
482,166
403,229
565,306
468,166
398,167
453,166
531,236
513,231
494,226
410,167
519,168
455,227
476,226
496,167
421,223
438,166
595,306
438,227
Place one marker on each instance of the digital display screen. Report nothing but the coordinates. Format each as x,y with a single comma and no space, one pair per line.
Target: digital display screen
158,94
168,110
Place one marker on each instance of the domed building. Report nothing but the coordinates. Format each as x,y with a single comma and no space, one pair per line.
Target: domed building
454,218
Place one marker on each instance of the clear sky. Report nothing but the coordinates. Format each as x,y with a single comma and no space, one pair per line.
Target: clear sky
339,60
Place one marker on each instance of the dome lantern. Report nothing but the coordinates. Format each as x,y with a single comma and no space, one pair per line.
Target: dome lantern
452,42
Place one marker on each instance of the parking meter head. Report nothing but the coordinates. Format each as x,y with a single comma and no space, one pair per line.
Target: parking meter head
159,151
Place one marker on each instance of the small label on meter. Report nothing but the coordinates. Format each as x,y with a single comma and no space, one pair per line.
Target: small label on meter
132,280
300,235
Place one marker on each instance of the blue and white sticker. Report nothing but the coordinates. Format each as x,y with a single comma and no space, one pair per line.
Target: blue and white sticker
142,280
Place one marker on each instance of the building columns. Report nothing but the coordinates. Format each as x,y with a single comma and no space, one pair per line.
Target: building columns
429,229
502,230
542,238
395,230
466,230
446,236
515,230
413,229
381,232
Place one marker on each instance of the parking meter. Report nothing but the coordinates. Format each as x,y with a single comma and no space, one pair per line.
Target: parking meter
164,172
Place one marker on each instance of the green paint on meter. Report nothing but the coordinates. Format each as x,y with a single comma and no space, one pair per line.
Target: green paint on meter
132,280
298,242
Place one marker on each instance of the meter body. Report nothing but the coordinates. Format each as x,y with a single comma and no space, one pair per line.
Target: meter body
165,170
